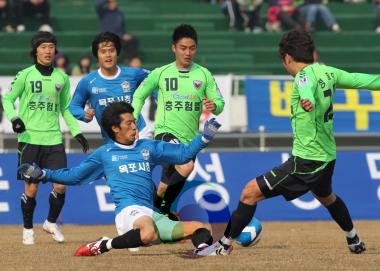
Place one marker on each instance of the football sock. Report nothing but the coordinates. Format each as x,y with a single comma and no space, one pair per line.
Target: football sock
56,201
340,214
351,234
201,236
129,239
157,201
176,183
27,207
239,219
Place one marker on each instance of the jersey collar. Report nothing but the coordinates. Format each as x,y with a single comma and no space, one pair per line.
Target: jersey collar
109,77
126,147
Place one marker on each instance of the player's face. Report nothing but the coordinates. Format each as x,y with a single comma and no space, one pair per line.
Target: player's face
126,133
45,53
184,50
107,55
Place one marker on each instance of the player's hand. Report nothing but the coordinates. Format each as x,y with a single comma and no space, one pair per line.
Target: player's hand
210,128
306,105
32,173
83,141
18,125
89,114
209,104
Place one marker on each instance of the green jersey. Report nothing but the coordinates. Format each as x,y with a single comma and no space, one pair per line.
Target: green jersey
41,99
313,131
179,100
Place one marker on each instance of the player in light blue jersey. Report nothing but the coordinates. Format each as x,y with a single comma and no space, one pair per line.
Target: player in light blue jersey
127,164
110,83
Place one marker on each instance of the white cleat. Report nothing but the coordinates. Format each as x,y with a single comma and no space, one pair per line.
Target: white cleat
28,237
54,230
216,249
133,249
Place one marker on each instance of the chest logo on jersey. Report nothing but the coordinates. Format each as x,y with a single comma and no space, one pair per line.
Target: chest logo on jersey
197,84
118,157
145,154
58,87
125,86
95,90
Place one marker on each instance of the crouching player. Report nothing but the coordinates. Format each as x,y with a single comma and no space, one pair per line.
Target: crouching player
127,165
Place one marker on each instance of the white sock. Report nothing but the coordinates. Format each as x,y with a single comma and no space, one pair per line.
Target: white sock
351,234
108,244
226,241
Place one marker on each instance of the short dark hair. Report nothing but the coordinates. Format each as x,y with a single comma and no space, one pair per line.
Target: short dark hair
38,39
105,37
297,44
111,116
184,31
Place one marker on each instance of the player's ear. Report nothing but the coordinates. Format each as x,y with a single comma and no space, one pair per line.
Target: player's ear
288,59
173,48
115,129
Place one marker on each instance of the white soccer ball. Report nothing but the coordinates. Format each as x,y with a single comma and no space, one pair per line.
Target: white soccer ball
251,234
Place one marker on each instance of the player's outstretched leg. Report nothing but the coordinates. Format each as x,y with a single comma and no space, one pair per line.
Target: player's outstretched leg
130,239
56,202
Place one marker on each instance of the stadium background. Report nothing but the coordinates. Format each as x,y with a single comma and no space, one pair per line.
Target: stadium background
256,133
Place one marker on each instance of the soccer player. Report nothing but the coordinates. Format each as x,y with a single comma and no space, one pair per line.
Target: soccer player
110,83
311,166
184,89
43,93
127,164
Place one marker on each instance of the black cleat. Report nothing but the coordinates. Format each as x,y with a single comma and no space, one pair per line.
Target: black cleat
355,245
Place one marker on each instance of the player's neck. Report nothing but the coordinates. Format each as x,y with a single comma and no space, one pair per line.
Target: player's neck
111,72
298,66
43,69
182,67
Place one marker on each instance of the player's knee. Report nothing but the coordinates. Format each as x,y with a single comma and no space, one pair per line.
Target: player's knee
251,193
59,188
185,169
326,201
148,236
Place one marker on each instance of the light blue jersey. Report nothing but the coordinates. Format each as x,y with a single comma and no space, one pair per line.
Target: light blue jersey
100,90
128,169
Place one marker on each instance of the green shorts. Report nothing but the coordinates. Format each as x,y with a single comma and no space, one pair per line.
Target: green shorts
168,230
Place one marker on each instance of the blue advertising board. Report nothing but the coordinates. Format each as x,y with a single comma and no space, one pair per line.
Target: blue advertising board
268,104
211,193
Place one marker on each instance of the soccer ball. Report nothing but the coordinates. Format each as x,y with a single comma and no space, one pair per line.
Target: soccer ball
251,234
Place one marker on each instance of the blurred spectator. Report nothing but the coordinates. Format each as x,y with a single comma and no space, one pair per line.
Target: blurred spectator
6,16
377,11
243,14
61,62
283,13
311,8
250,12
32,8
83,67
112,20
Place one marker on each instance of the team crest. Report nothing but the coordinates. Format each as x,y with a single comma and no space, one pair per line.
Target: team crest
125,86
145,154
58,87
197,84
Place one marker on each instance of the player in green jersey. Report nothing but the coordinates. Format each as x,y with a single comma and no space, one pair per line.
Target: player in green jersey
311,166
184,89
43,93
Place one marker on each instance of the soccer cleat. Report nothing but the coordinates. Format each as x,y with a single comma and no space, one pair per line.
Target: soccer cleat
355,245
216,249
92,248
54,230
28,237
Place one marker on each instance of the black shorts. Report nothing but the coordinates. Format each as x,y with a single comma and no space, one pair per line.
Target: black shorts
168,169
296,176
51,157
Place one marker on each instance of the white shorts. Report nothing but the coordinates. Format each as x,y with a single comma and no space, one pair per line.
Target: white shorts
126,218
